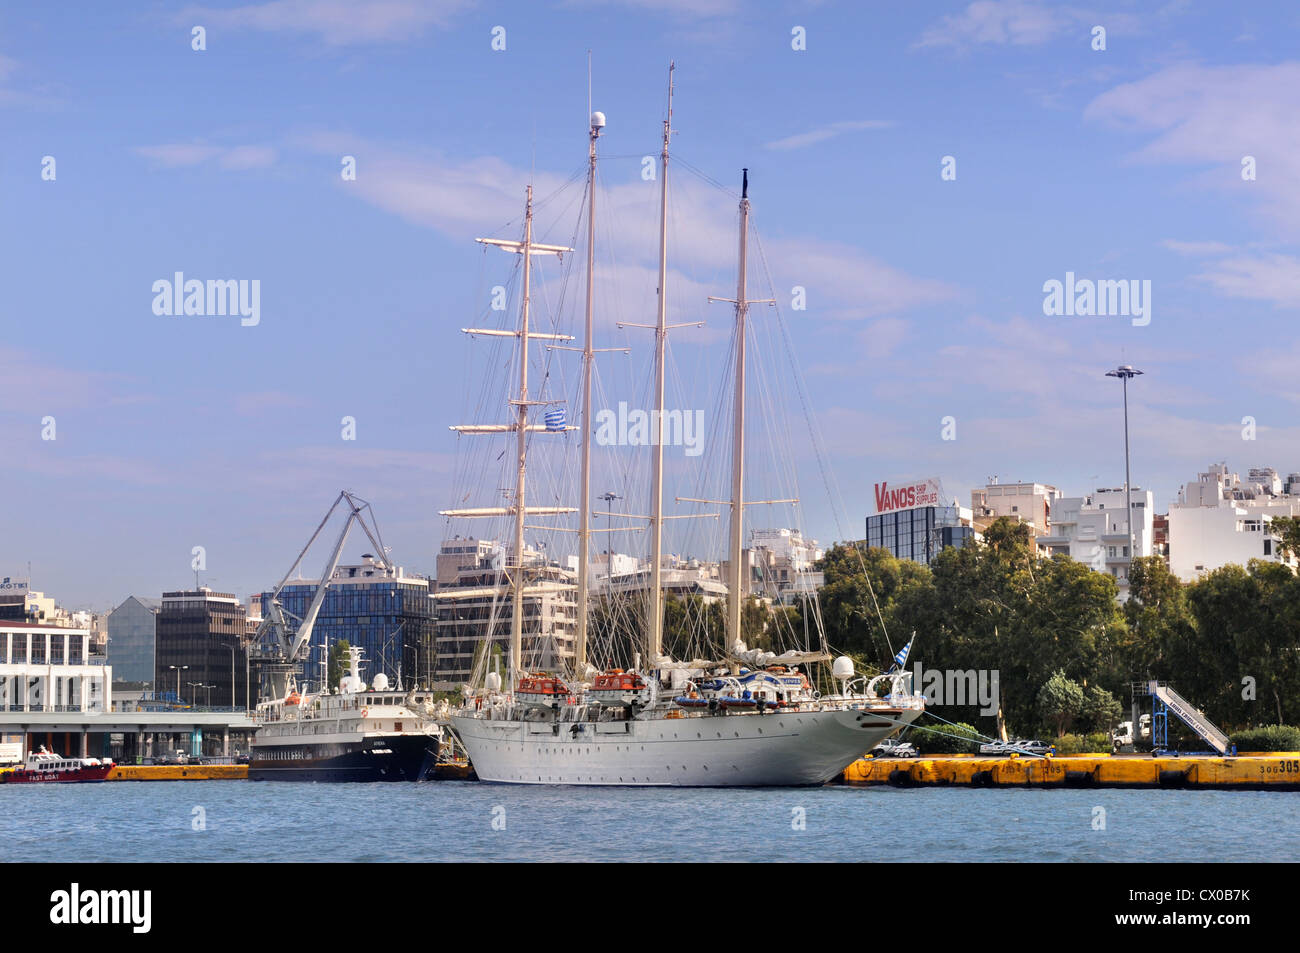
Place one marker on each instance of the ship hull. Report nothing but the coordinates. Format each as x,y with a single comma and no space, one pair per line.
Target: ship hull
778,749
86,775
394,758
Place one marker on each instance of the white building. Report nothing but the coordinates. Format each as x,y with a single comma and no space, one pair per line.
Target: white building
1094,529
781,564
1220,519
50,668
474,605
1031,503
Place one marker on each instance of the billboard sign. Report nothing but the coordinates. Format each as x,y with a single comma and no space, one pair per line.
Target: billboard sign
11,586
907,496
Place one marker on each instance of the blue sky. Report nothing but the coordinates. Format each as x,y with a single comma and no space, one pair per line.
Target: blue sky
924,295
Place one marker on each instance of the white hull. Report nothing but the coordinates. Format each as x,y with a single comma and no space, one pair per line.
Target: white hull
738,750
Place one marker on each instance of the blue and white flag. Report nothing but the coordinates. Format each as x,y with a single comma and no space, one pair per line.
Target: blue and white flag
901,658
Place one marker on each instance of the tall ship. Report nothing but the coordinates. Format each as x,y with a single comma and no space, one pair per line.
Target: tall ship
713,711
355,732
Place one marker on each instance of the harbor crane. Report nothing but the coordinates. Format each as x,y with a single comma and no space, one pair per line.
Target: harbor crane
282,640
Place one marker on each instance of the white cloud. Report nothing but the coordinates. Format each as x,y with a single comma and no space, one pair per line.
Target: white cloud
830,131
1014,22
1215,116
336,22
1271,277
247,157
465,199
1026,23
682,8
1196,249
183,154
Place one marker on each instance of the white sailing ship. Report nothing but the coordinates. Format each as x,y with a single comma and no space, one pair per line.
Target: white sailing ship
742,717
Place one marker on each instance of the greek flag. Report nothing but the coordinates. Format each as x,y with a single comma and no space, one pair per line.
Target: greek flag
901,658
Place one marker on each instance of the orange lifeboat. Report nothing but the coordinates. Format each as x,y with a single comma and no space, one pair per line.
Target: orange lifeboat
541,691
293,699
617,687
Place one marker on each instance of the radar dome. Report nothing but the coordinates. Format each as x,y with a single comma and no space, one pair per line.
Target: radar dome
380,683
842,668
597,120
492,682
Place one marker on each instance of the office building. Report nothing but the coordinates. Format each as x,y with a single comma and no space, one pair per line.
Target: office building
132,643
380,609
200,655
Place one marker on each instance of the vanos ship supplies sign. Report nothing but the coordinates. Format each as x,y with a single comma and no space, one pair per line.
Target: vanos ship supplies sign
906,496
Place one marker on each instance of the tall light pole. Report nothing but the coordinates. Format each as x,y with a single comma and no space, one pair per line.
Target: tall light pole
609,497
1124,372
178,680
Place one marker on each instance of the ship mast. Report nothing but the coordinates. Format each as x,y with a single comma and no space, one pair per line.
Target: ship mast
736,529
655,622
588,368
655,630
521,428
736,539
521,433
588,357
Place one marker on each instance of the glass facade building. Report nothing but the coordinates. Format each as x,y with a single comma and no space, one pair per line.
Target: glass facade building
918,534
132,640
388,615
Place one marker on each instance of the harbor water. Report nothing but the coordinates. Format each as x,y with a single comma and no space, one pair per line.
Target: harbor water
242,821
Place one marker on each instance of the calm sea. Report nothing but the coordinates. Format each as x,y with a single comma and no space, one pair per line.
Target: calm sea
460,821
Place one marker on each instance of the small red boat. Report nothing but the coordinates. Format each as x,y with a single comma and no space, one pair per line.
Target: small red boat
42,767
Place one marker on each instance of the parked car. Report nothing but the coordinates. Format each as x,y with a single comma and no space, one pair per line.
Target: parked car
995,747
1033,747
893,748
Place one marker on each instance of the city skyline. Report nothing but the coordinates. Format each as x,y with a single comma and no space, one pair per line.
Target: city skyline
927,297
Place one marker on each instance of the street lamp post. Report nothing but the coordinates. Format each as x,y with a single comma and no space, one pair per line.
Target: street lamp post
609,497
1124,372
178,680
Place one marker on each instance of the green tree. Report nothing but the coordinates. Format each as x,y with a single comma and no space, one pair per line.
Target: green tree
338,662
1288,529
1101,710
1060,701
871,600
1243,651
1159,619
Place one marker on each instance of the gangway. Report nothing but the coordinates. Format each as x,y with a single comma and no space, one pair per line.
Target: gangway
1165,700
